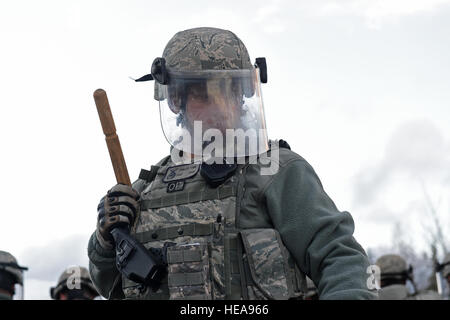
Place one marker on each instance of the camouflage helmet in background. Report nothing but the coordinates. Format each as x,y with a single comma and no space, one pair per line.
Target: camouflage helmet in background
446,264
9,264
70,276
393,266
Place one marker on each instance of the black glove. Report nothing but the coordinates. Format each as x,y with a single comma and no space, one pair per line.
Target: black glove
117,209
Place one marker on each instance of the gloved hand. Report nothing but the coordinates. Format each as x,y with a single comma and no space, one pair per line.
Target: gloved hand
118,208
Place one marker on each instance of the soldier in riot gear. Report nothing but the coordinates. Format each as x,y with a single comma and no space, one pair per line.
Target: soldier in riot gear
224,229
11,277
74,284
394,275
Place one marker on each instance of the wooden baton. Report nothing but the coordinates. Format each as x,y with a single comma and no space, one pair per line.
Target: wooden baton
112,140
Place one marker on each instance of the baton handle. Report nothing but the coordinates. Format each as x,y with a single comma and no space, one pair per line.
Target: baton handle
112,140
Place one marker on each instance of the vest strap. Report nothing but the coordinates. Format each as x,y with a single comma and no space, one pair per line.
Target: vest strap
193,229
188,197
185,279
180,256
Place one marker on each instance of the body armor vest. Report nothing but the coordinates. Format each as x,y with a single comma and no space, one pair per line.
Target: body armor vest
210,254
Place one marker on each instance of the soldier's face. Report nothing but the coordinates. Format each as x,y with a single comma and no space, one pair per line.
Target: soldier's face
216,108
215,113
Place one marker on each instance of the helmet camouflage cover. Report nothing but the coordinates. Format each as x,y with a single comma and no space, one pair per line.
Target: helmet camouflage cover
9,263
392,265
72,274
206,49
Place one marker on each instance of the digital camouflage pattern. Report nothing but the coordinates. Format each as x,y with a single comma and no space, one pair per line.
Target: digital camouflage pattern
205,211
267,259
206,49
186,223
188,272
9,263
210,222
205,226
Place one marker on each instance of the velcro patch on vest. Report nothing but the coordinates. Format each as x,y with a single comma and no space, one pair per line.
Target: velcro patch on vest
175,186
181,172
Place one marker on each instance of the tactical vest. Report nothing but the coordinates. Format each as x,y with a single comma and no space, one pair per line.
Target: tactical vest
212,254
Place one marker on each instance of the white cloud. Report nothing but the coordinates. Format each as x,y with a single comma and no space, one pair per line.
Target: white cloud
416,152
46,263
35,289
392,190
267,11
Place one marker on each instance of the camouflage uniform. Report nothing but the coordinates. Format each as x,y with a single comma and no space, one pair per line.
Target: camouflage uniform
394,267
9,267
74,280
254,236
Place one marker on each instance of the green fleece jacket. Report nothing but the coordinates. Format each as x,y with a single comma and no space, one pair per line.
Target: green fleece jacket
293,201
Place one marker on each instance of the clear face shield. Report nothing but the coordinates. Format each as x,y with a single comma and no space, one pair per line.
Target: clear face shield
214,114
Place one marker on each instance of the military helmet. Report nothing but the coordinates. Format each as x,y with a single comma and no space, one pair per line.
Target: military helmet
9,264
76,275
393,266
446,264
206,49
205,75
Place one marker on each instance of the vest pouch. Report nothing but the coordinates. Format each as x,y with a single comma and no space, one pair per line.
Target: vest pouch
188,272
266,261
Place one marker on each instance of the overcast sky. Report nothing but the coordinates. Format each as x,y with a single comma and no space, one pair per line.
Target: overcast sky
360,89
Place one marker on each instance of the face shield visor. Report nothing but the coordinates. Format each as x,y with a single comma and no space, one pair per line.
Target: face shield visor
213,113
